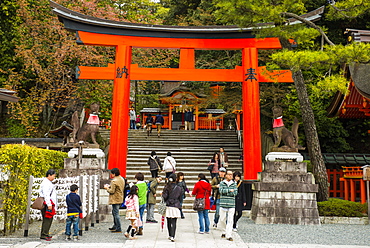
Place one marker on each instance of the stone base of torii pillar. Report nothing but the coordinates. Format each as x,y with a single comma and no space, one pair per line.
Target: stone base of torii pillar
286,194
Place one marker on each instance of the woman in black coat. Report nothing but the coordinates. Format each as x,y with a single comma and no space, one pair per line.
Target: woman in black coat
172,194
240,199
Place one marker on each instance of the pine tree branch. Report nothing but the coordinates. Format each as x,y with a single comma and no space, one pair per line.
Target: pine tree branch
309,23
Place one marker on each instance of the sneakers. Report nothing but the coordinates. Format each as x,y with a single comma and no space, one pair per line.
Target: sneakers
223,236
172,239
75,238
46,238
201,232
206,232
235,229
126,234
151,221
214,225
230,239
112,228
68,237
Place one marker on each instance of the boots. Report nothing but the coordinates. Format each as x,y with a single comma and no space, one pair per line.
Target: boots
140,232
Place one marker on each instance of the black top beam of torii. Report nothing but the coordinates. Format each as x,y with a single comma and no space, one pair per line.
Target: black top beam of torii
75,21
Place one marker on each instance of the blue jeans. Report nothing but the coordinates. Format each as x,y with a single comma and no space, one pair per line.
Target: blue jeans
72,220
203,220
141,211
217,214
116,218
132,124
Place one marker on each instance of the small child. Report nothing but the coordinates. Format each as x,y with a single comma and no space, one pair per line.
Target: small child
132,212
73,212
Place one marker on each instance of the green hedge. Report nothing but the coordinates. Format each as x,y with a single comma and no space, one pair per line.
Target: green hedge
342,208
18,162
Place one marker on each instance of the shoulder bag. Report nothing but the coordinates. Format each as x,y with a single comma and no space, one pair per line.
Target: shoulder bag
162,207
173,168
200,203
38,203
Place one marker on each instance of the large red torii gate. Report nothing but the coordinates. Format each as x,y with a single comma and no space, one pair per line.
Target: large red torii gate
123,36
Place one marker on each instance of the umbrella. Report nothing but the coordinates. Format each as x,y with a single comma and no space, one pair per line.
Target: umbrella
162,223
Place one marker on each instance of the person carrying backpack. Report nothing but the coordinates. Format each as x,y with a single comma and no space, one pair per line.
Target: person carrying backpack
152,194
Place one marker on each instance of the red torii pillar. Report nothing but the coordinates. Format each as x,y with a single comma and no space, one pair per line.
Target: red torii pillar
123,71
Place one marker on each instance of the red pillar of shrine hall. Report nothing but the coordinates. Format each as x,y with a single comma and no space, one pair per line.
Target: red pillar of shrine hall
124,36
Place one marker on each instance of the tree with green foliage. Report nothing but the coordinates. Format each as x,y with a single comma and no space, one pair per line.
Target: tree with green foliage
309,54
17,164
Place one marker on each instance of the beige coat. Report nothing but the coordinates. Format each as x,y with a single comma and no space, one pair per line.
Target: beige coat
115,190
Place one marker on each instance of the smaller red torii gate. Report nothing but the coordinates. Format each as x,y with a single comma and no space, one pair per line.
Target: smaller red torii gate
90,32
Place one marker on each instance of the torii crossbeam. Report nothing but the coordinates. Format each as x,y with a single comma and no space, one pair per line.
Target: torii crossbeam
124,36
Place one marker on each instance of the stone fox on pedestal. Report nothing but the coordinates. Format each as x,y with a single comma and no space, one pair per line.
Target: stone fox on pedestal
281,133
90,128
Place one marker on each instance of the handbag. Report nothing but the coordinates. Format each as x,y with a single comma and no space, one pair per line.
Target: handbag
210,167
200,203
162,207
38,203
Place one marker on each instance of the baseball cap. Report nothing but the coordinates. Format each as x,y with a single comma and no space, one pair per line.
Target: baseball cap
222,169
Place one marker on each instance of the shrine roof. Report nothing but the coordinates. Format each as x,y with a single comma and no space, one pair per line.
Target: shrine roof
75,21
184,89
356,104
207,111
7,95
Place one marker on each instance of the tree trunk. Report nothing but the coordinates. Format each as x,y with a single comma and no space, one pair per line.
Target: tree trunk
313,144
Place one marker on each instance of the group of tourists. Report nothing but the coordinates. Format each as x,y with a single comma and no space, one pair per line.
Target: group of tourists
229,197
224,190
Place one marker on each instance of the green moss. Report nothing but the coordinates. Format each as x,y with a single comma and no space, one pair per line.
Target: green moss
342,208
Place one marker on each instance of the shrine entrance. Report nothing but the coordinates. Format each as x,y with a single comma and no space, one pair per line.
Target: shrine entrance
125,36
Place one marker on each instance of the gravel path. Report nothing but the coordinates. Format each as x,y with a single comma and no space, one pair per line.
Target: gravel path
333,234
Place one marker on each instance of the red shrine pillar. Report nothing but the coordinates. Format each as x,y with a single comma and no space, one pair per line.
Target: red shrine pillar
120,109
252,163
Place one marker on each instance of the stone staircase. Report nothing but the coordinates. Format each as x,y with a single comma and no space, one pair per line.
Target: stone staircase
191,149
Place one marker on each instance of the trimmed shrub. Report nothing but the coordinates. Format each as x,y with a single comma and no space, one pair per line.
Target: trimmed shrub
18,162
342,208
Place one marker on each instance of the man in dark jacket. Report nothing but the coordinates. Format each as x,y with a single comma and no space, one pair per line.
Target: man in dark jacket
215,183
159,121
188,119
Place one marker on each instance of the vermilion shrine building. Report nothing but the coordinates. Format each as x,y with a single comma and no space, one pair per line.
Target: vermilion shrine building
124,36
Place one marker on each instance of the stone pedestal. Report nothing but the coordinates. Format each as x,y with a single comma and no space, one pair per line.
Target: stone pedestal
286,194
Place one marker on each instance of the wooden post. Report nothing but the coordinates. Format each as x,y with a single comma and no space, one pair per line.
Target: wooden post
352,186
88,200
346,196
170,117
196,127
362,191
92,200
120,109
80,185
252,163
97,198
368,200
27,217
